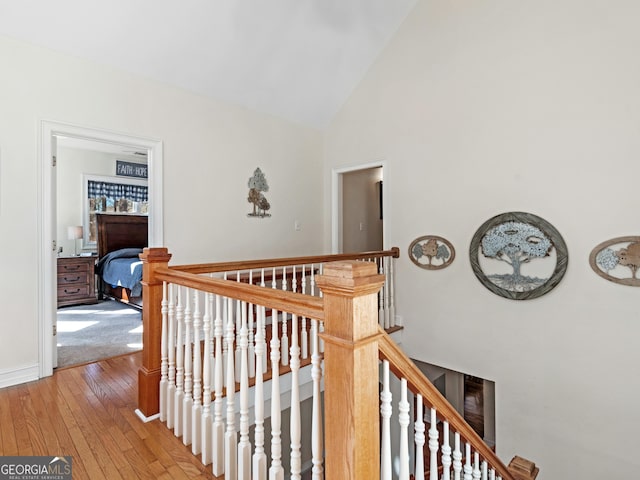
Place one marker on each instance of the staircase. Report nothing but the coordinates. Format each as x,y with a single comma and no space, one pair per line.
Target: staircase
206,361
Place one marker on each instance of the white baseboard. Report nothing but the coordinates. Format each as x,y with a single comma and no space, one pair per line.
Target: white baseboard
19,375
145,419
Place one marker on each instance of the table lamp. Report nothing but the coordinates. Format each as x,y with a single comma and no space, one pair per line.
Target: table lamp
75,233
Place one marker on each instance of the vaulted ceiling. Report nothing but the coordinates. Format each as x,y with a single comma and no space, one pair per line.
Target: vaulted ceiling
295,59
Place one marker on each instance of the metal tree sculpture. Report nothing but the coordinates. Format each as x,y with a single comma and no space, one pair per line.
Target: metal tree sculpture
517,238
515,243
630,257
258,184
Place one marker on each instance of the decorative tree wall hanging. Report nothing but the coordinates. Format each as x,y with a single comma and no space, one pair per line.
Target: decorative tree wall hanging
431,252
258,184
518,255
618,260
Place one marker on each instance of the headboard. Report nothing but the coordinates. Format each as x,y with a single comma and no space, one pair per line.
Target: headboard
116,231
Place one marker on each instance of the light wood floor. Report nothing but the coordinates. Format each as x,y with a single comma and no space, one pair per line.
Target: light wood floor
87,412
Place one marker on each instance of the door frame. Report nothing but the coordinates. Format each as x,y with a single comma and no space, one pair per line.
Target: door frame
336,201
46,220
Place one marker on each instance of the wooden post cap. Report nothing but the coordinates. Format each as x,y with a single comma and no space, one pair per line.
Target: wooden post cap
523,469
351,278
155,255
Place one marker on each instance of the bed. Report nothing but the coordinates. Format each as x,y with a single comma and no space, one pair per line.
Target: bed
121,238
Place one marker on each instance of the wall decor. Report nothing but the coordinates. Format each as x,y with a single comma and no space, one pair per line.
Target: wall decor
258,184
618,260
131,169
518,255
431,252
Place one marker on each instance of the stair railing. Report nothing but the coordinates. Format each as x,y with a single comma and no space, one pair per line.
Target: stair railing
196,363
454,449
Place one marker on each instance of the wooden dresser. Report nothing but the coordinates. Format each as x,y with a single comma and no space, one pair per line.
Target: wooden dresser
76,281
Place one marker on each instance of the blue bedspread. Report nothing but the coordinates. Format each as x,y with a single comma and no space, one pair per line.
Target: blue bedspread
122,268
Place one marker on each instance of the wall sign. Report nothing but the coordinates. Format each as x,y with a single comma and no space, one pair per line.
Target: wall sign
131,169
618,260
518,255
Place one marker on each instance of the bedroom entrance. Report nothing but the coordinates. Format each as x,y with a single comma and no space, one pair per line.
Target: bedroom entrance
70,155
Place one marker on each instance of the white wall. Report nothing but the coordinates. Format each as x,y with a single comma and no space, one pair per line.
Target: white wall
480,108
210,151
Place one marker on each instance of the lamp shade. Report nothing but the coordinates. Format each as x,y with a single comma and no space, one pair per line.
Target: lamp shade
74,233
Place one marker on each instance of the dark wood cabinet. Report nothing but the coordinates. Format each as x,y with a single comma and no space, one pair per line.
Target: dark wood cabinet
76,281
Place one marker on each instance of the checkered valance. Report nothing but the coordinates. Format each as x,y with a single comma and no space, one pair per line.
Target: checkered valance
135,193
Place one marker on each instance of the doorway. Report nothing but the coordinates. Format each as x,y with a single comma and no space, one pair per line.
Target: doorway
50,134
358,209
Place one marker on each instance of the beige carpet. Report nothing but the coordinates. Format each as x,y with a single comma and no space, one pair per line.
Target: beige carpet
88,333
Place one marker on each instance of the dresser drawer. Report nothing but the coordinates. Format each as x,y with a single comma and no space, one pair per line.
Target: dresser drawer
76,281
74,292
69,278
73,266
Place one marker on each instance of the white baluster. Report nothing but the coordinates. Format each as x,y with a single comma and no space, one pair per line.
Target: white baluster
484,470
276,471
385,412
467,464
457,457
284,340
225,315
419,439
238,318
275,325
217,441
294,280
179,396
252,350
446,452
244,447
207,420
403,420
295,424
385,289
313,281
392,307
492,474
265,360
164,356
171,346
259,456
317,450
304,339
230,436
304,343
433,447
196,409
476,466
381,295
187,402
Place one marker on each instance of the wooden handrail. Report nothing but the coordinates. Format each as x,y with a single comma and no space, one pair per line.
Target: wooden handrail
403,367
290,302
282,262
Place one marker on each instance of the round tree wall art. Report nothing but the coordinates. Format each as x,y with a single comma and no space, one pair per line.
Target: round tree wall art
431,252
518,255
618,260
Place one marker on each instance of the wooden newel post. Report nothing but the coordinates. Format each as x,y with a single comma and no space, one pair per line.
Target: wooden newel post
149,374
352,412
